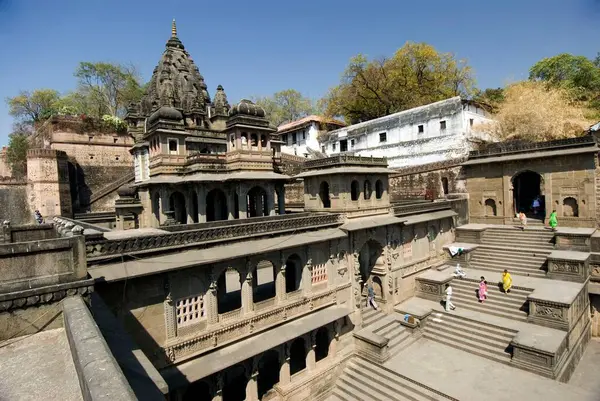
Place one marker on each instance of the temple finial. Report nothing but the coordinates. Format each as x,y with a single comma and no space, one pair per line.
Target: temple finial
174,29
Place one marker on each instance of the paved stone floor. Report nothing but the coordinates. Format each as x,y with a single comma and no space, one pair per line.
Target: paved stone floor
38,367
586,373
468,377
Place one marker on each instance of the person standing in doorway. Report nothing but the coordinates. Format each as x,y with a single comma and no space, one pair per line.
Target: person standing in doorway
371,297
449,304
506,281
536,205
553,221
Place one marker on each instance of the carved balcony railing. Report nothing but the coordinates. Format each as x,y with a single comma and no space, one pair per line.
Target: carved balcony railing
230,223
421,207
518,147
345,160
226,332
98,249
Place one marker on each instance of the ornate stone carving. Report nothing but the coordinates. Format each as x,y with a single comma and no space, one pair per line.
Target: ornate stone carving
549,312
36,297
565,267
426,287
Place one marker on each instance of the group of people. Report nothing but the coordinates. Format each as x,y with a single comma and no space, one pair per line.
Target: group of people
483,289
552,220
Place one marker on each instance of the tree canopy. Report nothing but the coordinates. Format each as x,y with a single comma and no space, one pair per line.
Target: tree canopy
33,106
416,75
534,111
287,105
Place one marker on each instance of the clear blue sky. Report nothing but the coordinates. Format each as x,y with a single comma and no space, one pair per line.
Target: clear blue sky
259,47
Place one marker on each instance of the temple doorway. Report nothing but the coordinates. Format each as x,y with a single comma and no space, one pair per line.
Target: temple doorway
370,255
527,187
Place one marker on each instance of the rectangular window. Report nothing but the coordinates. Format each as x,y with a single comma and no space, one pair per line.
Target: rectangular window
421,129
284,139
318,273
294,139
173,146
442,125
189,310
383,137
333,146
303,134
352,143
344,145
471,122
323,149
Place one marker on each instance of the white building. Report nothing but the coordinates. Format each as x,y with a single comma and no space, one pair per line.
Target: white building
301,136
427,134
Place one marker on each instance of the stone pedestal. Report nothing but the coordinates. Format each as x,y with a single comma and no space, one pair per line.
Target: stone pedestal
569,265
432,285
575,239
372,346
470,233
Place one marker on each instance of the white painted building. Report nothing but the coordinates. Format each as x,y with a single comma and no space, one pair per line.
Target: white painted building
435,132
301,136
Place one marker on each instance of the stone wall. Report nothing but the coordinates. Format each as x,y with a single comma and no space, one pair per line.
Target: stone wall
427,181
14,202
5,170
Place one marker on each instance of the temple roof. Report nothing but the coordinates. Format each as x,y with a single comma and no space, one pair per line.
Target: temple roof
176,82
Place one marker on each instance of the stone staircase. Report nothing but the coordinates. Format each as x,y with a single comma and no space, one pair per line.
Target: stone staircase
362,380
521,252
470,335
510,306
388,326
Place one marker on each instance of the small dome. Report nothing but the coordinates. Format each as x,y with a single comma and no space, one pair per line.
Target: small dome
165,113
248,108
126,191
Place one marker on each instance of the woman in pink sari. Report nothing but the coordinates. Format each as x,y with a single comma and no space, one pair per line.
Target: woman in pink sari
482,289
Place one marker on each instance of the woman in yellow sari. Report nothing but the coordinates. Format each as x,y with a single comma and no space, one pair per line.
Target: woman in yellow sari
506,281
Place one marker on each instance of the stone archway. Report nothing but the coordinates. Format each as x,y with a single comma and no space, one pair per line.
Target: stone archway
257,202
216,205
527,186
370,257
268,372
236,381
177,205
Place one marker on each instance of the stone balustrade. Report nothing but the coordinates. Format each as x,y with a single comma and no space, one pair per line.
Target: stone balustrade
98,249
403,210
345,160
505,148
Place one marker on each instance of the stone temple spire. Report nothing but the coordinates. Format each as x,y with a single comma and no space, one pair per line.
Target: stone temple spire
220,103
173,29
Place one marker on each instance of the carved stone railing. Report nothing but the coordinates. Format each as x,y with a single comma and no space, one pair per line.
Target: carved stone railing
179,349
508,147
230,316
422,207
216,158
98,249
230,223
423,168
345,160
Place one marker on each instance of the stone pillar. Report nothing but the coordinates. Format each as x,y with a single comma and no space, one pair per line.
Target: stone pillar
311,362
307,275
247,303
252,385
188,206
281,200
243,203
280,282
212,309
333,345
201,204
271,201
284,371
230,204
218,392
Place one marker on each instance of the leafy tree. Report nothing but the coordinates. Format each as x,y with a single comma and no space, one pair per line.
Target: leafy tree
490,97
416,75
286,105
16,152
105,88
533,111
33,106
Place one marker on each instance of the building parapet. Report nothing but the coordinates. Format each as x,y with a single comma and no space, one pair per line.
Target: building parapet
424,168
47,153
421,207
504,148
98,249
345,160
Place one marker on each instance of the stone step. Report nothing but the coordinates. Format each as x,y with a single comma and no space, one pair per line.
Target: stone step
516,243
371,316
493,332
509,228
506,263
489,308
513,270
493,288
503,250
524,260
495,296
366,381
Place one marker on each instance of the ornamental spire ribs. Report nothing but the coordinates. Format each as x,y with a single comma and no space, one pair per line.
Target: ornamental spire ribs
173,29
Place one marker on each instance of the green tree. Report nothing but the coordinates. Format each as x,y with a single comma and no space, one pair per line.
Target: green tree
16,152
35,106
286,105
491,97
416,75
578,74
105,88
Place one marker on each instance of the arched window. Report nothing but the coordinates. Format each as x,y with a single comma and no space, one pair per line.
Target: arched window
354,190
490,207
177,205
257,202
268,372
229,291
263,281
253,140
297,356
263,141
322,344
378,189
570,207
216,205
324,194
293,273
367,191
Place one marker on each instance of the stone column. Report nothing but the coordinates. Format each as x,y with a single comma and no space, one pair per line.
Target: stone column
252,385
218,393
307,275
230,204
333,345
201,204
281,200
247,303
280,282
284,370
271,201
188,206
243,204
311,362
212,309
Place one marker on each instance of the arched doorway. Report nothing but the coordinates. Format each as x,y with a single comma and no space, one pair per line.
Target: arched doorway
369,256
234,388
321,344
445,185
527,186
216,205
177,205
229,291
257,202
268,372
297,356
324,195
293,273
263,281
198,391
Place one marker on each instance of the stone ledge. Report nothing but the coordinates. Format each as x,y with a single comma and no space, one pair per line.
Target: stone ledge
99,375
371,345
42,295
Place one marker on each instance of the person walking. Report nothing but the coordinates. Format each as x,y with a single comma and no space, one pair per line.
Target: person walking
449,304
38,217
483,290
553,221
371,297
506,281
523,219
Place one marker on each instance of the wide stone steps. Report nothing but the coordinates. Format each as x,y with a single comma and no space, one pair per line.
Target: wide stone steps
371,316
511,306
477,338
525,260
366,381
510,242
397,335
517,271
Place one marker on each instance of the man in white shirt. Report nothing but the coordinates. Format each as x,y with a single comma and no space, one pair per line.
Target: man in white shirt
449,304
